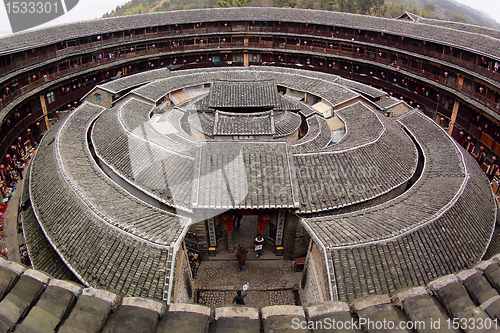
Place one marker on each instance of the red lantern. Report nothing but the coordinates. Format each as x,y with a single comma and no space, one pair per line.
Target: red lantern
261,225
229,221
262,221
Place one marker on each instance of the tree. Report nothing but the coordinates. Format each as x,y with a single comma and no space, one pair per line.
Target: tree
429,7
377,7
346,6
458,18
364,6
233,3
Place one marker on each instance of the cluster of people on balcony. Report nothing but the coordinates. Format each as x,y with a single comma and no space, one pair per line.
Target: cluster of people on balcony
490,168
11,171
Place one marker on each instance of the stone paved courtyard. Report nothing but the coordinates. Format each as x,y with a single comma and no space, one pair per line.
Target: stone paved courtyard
271,282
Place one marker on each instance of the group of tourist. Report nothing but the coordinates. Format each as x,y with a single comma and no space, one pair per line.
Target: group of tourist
11,171
491,168
241,252
241,255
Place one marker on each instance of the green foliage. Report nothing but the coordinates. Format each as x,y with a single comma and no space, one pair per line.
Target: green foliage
385,8
232,3
135,10
458,18
444,9
393,10
429,7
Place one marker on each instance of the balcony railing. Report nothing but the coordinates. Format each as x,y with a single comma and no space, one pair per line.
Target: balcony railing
314,50
309,32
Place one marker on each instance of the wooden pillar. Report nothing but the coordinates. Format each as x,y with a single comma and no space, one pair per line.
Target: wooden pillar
45,112
246,62
460,82
245,41
453,116
438,118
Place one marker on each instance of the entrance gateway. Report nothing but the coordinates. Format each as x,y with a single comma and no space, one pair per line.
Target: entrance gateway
243,189
242,227
222,234
244,175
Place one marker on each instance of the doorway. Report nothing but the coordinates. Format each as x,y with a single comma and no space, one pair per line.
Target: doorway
245,232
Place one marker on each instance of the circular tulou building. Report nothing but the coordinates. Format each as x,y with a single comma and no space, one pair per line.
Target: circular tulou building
338,137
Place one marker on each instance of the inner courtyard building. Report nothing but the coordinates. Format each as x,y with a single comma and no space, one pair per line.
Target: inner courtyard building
361,148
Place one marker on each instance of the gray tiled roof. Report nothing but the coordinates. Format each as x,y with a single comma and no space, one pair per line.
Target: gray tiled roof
202,104
244,175
386,103
143,156
41,253
135,80
401,237
361,88
319,84
306,111
420,30
32,301
409,15
155,90
364,123
476,29
127,151
449,175
363,126
203,122
85,241
243,94
259,123
127,212
318,136
174,117
286,123
357,173
423,243
416,258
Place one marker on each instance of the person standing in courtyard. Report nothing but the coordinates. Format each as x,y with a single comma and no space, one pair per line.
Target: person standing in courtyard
238,299
258,243
241,255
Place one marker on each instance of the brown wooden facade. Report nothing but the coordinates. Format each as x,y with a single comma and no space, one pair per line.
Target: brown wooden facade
458,87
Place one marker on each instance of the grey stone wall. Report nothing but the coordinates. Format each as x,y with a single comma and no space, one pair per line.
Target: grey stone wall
302,240
186,291
312,286
290,236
